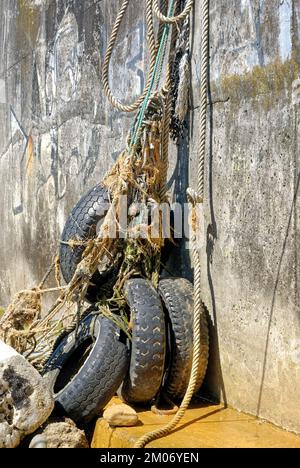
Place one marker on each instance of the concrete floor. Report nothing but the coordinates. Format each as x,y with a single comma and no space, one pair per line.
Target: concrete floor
204,426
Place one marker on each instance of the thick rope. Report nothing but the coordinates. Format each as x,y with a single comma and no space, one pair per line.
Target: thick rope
198,305
167,114
166,137
164,4
203,97
152,47
172,19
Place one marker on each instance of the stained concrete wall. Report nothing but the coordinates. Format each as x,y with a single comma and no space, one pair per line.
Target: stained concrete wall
58,135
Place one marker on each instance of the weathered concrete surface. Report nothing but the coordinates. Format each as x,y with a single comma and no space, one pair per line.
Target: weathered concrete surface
251,257
58,135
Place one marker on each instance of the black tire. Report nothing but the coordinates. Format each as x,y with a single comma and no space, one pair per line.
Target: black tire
84,383
148,342
177,295
81,225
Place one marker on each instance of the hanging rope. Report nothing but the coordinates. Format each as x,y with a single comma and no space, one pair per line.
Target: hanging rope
152,47
166,138
198,305
203,97
167,115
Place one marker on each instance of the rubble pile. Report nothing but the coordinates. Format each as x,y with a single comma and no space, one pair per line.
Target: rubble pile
63,434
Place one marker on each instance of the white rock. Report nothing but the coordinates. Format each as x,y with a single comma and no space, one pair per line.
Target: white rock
6,352
26,402
121,416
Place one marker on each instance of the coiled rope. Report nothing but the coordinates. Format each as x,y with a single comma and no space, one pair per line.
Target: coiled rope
198,305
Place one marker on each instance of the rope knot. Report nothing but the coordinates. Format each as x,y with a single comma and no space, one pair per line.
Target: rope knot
193,197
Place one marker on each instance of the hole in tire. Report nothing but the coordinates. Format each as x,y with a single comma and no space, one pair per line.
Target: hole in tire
73,365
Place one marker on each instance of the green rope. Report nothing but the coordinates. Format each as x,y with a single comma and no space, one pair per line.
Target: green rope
155,77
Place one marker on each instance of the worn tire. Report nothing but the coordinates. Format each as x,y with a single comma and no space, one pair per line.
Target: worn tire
81,225
90,388
148,342
177,296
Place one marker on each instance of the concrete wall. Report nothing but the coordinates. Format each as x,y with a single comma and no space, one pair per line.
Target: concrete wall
252,270
58,136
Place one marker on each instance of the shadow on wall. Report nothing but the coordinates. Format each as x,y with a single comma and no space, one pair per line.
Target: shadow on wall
214,382
293,213
180,179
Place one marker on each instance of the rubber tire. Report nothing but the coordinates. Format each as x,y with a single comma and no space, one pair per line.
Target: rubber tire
100,376
148,348
81,225
177,295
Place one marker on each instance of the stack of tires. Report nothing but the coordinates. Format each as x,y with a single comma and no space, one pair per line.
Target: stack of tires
89,365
